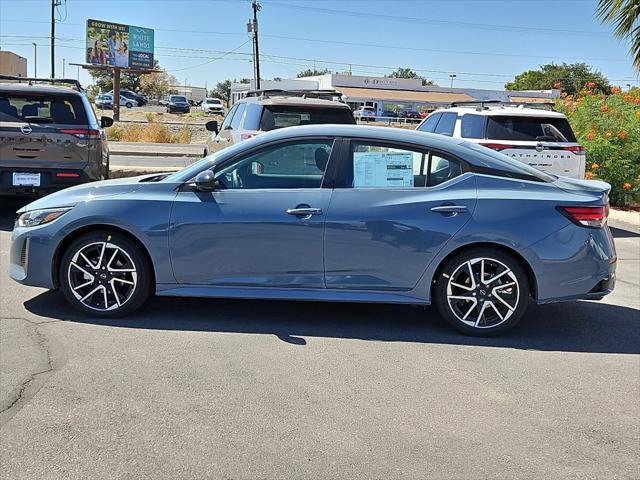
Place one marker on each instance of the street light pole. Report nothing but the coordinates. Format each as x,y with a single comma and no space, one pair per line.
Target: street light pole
256,53
35,59
452,76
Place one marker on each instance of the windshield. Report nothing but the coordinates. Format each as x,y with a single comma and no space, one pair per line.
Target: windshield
545,129
509,164
213,101
275,117
178,99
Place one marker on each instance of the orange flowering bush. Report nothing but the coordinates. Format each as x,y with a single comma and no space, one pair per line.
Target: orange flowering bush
609,128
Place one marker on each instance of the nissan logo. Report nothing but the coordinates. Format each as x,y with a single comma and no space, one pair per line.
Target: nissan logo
539,147
26,129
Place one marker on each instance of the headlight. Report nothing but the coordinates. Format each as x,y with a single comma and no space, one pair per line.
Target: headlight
40,217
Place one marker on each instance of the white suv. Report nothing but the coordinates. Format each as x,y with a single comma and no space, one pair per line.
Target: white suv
532,134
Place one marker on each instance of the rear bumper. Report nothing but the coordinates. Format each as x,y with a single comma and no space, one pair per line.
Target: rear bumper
49,181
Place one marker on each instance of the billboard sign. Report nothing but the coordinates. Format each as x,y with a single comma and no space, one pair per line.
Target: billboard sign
119,45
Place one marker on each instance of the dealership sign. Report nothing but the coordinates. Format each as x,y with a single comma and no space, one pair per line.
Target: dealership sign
119,45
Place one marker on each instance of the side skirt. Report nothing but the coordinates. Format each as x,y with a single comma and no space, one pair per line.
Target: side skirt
328,295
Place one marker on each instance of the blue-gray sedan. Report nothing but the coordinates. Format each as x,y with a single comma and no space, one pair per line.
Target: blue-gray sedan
330,212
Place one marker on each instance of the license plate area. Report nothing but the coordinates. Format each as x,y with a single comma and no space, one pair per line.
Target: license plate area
26,179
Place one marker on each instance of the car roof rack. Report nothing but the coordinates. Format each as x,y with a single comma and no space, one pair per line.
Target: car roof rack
319,94
485,104
52,81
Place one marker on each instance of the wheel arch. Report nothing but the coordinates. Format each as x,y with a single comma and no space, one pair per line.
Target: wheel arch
533,284
74,234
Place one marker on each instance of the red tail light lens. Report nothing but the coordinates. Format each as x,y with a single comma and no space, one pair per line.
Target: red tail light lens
574,149
594,217
84,133
67,175
497,146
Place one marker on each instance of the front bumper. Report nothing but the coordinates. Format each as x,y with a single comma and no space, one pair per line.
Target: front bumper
31,256
49,181
178,109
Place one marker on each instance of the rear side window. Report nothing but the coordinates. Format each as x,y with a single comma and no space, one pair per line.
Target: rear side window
446,124
252,116
429,125
472,126
229,117
274,117
442,169
237,118
60,109
541,129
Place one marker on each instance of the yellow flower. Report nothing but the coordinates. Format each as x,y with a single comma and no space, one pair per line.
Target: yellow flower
622,134
615,90
594,166
608,134
588,175
604,108
591,136
626,186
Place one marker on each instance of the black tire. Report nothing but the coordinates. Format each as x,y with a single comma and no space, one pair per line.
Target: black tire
134,297
128,105
505,305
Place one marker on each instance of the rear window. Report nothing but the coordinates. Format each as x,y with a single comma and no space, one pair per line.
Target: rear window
60,109
472,126
532,129
275,117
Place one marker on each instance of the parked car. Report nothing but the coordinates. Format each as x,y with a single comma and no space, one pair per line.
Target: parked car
540,137
50,137
139,100
333,213
213,105
268,111
163,102
365,114
410,114
178,104
105,101
390,113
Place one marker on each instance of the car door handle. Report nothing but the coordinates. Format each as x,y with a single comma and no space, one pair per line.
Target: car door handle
304,212
450,209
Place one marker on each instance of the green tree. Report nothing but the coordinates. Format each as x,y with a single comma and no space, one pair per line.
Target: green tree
156,85
571,78
625,15
103,80
222,91
408,73
313,72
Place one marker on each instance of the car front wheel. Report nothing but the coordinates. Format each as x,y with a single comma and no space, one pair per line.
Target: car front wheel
482,292
105,274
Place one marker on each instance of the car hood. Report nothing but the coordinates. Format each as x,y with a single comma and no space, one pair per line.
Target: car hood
88,192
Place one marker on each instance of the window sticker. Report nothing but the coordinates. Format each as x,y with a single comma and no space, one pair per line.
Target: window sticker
382,169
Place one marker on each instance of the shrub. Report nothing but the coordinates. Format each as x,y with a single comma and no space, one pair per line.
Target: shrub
183,136
150,116
156,133
609,128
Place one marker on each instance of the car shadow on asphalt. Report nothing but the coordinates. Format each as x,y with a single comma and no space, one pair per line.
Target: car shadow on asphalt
579,326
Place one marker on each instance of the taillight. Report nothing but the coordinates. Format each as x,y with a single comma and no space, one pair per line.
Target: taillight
84,133
67,175
574,149
594,217
497,146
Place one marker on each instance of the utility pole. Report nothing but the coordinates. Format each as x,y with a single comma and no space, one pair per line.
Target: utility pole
64,64
35,59
54,4
256,54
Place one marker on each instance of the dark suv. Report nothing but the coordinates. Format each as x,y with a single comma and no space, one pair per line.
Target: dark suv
266,110
178,104
50,137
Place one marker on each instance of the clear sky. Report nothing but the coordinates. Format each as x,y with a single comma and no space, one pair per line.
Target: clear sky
485,43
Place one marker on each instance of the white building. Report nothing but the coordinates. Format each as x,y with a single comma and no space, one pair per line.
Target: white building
393,94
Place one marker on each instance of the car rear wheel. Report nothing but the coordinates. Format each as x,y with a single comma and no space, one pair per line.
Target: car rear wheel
105,274
129,105
482,292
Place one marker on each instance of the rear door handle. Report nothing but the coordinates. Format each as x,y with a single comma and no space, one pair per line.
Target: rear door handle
452,210
304,211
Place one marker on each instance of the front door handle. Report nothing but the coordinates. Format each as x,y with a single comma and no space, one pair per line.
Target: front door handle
304,211
450,210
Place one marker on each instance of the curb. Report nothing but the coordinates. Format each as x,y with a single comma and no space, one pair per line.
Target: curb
138,153
625,216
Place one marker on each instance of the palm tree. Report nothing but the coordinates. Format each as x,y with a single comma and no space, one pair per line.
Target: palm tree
625,15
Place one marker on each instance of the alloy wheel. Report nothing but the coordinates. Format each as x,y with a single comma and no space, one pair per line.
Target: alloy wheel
102,276
483,292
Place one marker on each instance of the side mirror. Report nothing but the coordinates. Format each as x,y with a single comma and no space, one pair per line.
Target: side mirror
212,126
106,122
205,181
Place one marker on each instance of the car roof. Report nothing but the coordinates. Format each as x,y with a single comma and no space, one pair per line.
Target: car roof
294,101
36,88
503,110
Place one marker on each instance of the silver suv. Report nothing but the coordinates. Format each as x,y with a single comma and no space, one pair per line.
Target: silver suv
266,110
50,137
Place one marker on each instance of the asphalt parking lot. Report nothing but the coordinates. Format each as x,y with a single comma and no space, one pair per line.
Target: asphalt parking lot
246,389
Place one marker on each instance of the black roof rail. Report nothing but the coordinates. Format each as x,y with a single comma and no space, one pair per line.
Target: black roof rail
484,104
53,81
319,94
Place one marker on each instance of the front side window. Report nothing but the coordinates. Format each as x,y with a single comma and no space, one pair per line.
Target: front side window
429,125
60,109
228,118
541,129
446,124
289,166
237,118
